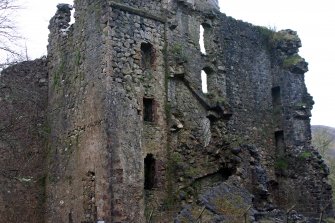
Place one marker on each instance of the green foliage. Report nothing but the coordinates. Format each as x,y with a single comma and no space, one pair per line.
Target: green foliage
221,100
279,36
177,49
281,163
234,140
329,220
192,172
45,130
176,158
58,74
78,58
233,208
168,110
42,181
305,155
292,60
267,32
56,80
173,159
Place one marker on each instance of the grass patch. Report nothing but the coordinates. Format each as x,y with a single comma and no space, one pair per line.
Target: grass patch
232,208
329,220
305,155
292,60
177,49
279,36
178,53
267,32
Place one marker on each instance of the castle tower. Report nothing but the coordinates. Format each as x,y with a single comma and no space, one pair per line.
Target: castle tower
145,126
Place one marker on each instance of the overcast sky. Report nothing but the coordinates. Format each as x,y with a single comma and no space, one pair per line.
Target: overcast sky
315,23
313,20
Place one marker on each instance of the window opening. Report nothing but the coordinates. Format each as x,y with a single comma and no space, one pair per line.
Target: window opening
148,109
73,19
70,218
147,56
226,172
204,82
202,40
276,96
280,146
149,172
207,84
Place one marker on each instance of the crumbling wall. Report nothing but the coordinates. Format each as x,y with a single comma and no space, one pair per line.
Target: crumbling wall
160,141
23,141
78,183
252,126
133,135
147,7
97,107
301,172
225,130
136,111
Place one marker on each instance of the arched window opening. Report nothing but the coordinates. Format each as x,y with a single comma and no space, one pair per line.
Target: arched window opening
202,40
149,172
147,54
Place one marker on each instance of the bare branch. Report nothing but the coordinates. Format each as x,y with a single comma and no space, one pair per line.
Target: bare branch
323,140
8,33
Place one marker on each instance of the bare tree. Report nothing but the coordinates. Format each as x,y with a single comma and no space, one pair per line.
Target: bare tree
9,36
323,140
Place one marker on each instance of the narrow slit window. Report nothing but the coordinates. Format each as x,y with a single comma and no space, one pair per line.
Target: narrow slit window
276,96
148,109
204,82
73,19
147,56
207,84
202,40
280,145
149,172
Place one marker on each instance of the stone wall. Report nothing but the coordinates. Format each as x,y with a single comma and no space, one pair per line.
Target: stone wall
23,140
78,188
134,137
102,91
136,110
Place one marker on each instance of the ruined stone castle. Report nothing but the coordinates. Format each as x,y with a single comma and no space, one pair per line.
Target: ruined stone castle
114,124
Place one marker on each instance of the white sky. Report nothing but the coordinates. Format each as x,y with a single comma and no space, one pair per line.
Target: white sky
314,21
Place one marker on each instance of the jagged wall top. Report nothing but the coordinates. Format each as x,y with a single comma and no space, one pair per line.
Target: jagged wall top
157,5
202,5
